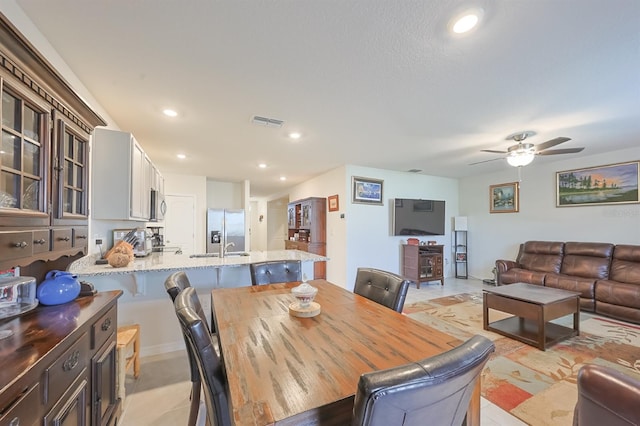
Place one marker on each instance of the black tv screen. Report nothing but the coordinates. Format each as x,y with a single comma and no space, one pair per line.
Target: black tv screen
418,217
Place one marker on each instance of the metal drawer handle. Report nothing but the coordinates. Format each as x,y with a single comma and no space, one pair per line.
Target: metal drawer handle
15,421
71,363
65,239
106,324
40,241
21,244
82,237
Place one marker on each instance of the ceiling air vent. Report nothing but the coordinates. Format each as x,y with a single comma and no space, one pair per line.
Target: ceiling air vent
264,121
414,170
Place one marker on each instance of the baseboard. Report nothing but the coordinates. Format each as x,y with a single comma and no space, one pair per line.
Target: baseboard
161,349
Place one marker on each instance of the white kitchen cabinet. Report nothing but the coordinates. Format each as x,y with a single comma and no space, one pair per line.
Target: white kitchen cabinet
157,181
121,177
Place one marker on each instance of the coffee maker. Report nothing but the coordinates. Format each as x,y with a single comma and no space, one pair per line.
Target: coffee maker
157,238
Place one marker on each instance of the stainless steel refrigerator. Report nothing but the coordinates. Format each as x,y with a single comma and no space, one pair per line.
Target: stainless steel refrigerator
225,227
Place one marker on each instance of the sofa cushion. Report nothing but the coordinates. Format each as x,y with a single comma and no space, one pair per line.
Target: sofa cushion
584,286
618,293
625,265
519,275
541,256
588,260
620,312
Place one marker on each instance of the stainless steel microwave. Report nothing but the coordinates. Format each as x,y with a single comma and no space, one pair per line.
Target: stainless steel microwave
158,206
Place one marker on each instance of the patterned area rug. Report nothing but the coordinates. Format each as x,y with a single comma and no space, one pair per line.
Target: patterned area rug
538,387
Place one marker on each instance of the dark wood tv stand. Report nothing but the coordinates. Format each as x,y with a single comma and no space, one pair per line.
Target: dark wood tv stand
422,263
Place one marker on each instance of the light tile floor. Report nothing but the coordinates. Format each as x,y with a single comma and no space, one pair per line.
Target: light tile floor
160,396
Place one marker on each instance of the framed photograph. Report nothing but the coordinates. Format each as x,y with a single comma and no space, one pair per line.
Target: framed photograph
367,191
333,203
611,184
504,198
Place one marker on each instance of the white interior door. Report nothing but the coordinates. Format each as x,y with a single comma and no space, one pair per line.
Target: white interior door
180,222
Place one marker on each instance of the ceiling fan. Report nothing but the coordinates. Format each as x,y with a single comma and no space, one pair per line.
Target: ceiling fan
523,153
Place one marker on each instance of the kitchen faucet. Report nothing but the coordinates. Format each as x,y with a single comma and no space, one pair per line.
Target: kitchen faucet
223,248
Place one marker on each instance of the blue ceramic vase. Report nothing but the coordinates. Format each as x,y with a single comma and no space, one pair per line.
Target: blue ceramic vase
58,287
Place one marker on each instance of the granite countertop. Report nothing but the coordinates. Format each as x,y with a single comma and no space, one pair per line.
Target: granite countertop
164,261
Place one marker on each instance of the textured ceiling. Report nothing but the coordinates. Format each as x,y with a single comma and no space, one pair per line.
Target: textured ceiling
367,82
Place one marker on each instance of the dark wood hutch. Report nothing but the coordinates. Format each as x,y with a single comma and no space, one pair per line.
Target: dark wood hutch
307,223
44,185
59,363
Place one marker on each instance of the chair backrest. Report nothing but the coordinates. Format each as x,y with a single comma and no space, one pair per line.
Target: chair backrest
383,287
606,397
175,283
275,272
199,338
435,391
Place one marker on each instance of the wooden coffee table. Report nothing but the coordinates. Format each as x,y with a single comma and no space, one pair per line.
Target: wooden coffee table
533,306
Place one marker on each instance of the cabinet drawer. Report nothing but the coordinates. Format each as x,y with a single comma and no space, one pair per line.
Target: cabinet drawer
438,260
14,245
80,236
62,239
25,410
66,369
103,328
41,241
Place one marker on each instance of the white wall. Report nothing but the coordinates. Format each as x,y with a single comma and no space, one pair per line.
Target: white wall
369,239
225,195
498,235
277,225
363,237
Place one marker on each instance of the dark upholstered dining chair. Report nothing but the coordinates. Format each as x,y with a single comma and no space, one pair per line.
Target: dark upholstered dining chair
606,397
383,287
174,285
275,272
212,374
436,390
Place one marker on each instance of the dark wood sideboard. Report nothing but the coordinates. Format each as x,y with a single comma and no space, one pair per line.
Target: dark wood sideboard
59,366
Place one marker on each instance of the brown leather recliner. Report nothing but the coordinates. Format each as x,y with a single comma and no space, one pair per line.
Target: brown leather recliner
606,397
619,296
582,265
535,260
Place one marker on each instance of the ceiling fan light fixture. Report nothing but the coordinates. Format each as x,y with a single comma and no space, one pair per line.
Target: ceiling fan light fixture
519,159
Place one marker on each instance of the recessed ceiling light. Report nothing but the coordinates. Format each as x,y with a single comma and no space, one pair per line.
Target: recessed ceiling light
170,113
282,178
262,166
295,135
466,21
181,156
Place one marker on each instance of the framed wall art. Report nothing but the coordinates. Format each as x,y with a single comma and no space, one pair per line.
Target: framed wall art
611,184
504,198
333,203
366,190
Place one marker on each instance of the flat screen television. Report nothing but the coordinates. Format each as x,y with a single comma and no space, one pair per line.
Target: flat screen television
418,217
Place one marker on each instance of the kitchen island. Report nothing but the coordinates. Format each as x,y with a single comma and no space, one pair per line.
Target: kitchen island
145,301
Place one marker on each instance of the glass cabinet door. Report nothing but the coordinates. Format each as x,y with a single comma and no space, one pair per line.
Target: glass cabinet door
71,172
23,153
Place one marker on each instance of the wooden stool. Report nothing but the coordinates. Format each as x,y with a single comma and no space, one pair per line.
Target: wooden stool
128,340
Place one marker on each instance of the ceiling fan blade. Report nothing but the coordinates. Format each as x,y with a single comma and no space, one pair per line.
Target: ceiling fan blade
493,151
560,151
486,161
551,143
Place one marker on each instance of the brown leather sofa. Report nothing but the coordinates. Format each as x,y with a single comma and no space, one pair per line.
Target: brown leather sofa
606,276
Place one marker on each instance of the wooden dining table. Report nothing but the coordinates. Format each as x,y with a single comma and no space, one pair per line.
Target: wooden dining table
286,370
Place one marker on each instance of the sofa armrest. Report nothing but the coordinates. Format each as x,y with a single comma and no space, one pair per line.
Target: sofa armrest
505,265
